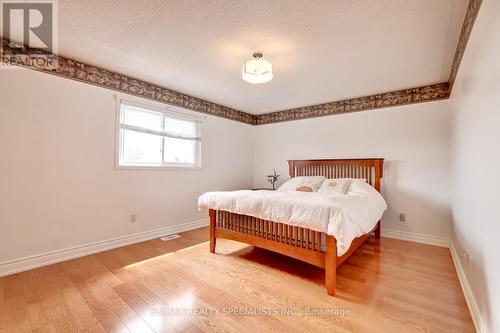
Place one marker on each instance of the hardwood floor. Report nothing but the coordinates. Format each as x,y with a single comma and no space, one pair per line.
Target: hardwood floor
178,286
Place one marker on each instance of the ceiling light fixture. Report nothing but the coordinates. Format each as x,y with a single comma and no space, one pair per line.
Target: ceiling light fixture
257,70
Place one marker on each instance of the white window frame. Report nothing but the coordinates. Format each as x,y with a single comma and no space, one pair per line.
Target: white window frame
167,111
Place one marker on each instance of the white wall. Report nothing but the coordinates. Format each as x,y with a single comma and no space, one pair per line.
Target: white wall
58,184
59,187
413,139
476,108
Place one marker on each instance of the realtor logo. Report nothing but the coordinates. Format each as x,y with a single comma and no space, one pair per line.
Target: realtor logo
31,24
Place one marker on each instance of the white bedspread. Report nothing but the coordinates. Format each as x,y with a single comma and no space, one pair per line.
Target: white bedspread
345,216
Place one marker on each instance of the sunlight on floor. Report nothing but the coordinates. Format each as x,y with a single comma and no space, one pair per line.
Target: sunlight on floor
163,256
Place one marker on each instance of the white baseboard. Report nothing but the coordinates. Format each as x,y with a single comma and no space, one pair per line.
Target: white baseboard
417,238
24,264
479,323
469,296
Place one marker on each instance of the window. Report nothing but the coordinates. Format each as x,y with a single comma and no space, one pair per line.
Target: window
154,138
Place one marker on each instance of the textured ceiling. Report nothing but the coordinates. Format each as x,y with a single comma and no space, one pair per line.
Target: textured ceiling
321,50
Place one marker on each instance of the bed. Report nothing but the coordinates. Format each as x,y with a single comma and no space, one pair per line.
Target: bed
311,243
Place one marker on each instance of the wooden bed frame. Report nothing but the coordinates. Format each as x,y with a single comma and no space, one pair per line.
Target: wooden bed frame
300,243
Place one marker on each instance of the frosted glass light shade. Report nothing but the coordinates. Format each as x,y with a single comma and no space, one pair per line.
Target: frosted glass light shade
257,70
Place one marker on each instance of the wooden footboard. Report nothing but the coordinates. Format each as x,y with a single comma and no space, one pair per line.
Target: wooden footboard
296,242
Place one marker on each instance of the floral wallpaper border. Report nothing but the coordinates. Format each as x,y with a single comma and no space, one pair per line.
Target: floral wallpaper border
401,97
470,19
18,55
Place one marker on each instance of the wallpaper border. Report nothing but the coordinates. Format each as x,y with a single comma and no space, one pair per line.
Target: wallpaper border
470,19
401,97
18,55
79,71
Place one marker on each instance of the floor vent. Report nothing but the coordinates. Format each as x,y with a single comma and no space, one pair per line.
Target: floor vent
170,237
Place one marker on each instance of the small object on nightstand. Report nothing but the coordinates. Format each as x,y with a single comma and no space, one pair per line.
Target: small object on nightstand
273,178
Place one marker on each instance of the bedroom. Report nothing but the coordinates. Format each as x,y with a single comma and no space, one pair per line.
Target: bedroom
118,116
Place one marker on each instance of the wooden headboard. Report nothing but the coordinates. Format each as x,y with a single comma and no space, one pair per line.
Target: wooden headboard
370,169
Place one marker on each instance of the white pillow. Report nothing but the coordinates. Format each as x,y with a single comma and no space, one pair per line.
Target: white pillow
359,184
335,185
357,180
360,187
293,184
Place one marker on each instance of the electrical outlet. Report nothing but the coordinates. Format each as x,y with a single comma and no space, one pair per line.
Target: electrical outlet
133,218
402,217
467,258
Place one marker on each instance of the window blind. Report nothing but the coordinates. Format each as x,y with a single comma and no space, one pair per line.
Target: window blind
150,122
